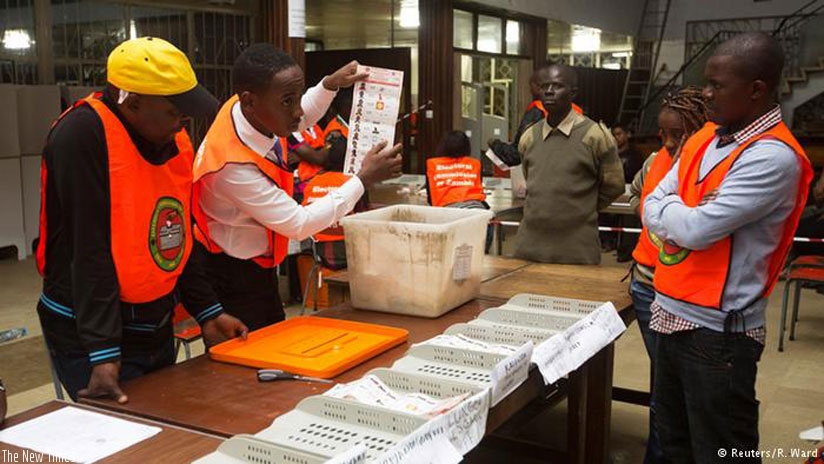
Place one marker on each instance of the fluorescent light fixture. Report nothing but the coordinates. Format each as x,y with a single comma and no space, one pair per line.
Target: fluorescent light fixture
615,66
621,54
513,31
585,39
16,39
132,30
409,17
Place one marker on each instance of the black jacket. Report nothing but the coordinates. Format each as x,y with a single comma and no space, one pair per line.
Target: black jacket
80,310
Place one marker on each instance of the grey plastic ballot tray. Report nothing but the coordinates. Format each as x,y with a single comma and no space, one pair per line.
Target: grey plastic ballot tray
503,334
326,426
407,382
469,367
249,449
526,318
542,303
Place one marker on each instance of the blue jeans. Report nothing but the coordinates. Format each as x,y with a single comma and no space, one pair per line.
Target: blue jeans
705,395
74,371
642,297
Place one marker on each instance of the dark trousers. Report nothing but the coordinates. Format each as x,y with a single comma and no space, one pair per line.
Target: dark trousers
74,370
704,394
642,298
246,290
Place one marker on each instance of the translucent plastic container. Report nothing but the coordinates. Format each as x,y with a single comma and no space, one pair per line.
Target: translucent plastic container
415,260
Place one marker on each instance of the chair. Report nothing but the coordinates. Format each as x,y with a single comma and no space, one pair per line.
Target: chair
186,331
808,269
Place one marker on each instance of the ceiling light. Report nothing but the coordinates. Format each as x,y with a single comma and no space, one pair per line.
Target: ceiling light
409,17
16,39
585,39
621,54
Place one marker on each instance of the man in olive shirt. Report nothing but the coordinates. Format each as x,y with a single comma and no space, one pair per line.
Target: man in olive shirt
572,171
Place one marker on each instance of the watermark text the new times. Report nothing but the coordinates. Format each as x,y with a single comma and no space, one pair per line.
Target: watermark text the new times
28,456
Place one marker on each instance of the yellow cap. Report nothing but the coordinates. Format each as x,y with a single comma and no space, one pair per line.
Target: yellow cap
150,66
153,66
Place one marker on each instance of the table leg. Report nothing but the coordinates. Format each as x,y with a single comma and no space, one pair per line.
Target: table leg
599,405
499,238
577,416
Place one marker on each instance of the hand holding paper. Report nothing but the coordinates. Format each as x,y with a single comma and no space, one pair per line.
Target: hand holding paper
380,164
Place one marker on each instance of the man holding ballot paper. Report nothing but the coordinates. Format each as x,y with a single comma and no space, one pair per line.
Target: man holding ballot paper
242,197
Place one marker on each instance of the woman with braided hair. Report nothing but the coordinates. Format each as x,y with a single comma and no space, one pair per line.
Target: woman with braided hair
682,114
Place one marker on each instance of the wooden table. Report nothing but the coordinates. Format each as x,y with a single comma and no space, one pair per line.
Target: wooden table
172,444
226,399
590,399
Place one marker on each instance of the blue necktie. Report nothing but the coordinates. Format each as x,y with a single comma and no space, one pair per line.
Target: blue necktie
276,154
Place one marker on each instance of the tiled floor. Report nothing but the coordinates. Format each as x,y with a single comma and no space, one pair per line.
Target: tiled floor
790,384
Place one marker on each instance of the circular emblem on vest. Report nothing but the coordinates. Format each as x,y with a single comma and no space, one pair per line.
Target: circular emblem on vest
672,254
167,233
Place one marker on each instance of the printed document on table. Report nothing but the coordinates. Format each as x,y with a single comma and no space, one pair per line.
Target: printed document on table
77,435
568,350
375,104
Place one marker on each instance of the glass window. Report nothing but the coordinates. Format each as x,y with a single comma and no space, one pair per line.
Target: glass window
466,68
489,34
513,37
18,48
462,29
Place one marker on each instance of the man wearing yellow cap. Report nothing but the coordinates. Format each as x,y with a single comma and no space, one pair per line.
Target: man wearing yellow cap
116,250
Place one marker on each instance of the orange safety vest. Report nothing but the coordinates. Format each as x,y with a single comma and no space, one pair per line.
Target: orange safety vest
336,124
313,137
223,146
540,105
698,277
320,186
149,204
648,247
452,180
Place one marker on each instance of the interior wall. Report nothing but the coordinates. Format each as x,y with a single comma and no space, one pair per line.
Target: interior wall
682,12
610,15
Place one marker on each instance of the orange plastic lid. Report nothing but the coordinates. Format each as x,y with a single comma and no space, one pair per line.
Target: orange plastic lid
309,345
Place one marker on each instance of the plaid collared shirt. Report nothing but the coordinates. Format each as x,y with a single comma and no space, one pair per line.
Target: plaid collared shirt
764,123
667,323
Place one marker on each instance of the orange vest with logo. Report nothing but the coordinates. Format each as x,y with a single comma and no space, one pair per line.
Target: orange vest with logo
538,104
320,186
452,180
336,124
698,277
314,138
221,147
648,247
149,205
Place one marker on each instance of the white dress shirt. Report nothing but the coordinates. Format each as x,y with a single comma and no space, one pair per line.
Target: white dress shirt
241,203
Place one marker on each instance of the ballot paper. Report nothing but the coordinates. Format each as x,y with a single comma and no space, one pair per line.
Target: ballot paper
814,434
568,350
77,435
375,105
511,372
466,343
496,161
370,390
428,444
466,422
